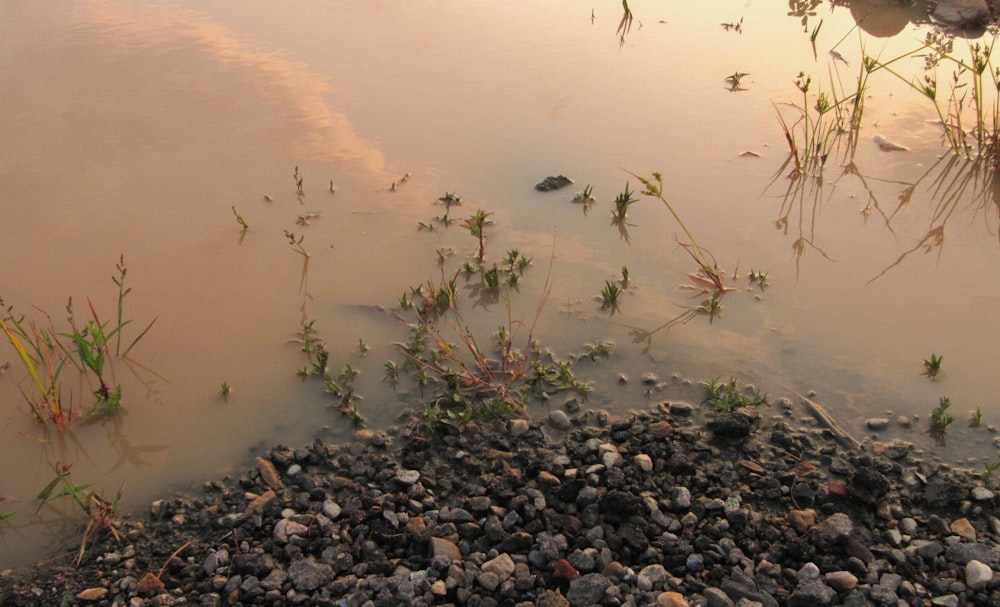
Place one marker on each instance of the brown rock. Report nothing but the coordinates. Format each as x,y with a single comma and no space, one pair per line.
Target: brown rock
551,598
671,599
660,429
257,504
963,528
837,490
92,594
269,474
547,479
801,520
149,584
441,547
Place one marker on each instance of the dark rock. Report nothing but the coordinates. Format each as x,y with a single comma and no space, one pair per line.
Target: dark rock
553,183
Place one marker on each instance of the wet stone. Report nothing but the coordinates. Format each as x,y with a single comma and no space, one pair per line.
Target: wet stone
553,183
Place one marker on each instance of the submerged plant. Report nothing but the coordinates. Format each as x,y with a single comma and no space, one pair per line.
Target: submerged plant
476,225
296,243
976,419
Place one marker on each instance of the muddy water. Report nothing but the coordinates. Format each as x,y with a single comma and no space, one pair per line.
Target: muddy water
136,129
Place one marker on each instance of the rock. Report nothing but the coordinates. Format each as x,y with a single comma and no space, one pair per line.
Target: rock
946,600
643,462
268,474
714,597
801,520
868,484
407,477
962,14
445,549
92,594
877,423
812,593
680,498
982,494
502,566
977,575
834,529
551,598
736,425
307,575
588,590
841,581
963,553
559,420
963,528
563,571
671,599
553,183
519,427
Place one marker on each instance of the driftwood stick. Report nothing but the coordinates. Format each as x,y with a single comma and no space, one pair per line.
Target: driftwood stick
846,440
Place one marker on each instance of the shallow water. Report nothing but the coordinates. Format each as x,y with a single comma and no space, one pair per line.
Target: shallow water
136,129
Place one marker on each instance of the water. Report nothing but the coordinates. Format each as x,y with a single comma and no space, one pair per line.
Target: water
136,129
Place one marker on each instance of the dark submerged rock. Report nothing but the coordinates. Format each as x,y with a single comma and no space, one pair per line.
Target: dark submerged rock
553,183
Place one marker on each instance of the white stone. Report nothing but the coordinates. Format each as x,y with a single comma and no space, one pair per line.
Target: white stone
977,575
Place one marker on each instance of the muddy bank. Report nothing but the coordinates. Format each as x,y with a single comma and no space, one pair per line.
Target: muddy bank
661,507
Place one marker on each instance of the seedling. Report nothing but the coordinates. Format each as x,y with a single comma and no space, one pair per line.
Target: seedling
240,220
758,278
728,397
940,418
734,27
391,376
734,81
609,295
598,350
299,190
624,279
296,243
976,419
989,469
622,202
362,346
932,365
450,199
625,24
225,390
476,225
585,197
303,220
712,307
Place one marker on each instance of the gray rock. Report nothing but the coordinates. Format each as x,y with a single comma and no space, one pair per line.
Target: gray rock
307,575
738,590
834,529
946,600
588,590
715,597
877,423
962,13
407,477
813,593
680,498
964,552
982,494
559,420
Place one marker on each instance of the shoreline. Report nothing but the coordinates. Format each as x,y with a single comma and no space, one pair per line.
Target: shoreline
665,506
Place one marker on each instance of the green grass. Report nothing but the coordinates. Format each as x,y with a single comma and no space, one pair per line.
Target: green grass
729,396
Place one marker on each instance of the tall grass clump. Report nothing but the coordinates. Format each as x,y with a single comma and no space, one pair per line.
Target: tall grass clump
88,345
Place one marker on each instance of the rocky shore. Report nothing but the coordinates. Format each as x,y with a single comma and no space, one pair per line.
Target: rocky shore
662,507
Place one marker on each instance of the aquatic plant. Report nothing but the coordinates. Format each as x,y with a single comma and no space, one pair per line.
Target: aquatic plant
101,513
932,365
940,418
989,469
296,243
240,220
450,199
225,390
976,418
728,396
609,295
734,81
622,203
44,355
476,225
